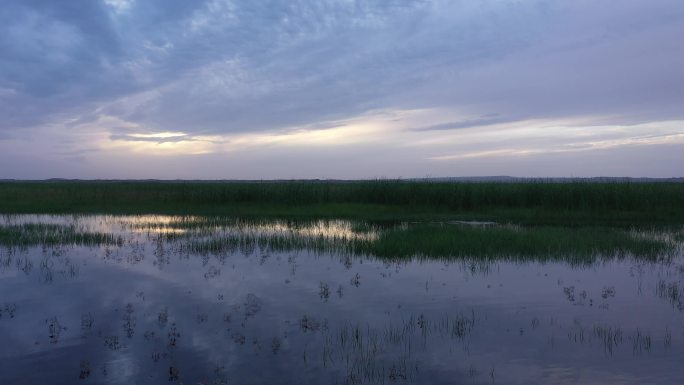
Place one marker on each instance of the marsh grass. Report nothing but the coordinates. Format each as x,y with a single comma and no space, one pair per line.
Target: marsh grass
533,202
387,240
679,236
511,241
369,355
422,239
454,241
33,234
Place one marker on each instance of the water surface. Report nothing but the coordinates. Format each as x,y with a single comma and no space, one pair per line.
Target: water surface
141,306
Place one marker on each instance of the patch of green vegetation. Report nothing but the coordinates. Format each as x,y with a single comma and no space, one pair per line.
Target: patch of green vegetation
458,241
390,240
538,243
51,235
249,243
540,203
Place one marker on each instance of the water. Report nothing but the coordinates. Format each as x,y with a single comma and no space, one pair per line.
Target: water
144,309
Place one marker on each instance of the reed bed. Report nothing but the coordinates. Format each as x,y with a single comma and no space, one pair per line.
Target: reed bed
366,199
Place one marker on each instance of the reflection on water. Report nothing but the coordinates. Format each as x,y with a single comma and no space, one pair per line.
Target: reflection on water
148,309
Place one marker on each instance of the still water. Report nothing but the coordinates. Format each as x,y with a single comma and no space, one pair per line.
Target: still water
143,308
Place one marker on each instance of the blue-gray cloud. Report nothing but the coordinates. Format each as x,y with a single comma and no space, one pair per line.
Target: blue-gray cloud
172,139
486,120
225,66
220,66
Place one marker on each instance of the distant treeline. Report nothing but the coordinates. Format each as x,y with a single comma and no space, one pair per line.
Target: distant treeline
664,199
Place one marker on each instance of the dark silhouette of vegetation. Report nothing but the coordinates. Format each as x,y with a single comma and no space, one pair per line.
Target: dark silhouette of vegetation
532,202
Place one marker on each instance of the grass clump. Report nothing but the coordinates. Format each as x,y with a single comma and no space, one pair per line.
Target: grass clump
50,235
537,243
456,241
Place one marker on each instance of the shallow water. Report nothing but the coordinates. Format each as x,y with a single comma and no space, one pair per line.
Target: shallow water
147,310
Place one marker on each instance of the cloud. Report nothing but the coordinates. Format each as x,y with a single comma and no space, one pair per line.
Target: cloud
154,138
479,122
539,141
225,68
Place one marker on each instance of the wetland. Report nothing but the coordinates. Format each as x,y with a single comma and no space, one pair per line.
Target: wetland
332,282
196,299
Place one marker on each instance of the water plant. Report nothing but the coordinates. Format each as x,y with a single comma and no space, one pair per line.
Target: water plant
530,202
576,245
32,234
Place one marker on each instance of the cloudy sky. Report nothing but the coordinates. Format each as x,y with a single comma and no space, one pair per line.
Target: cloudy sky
341,88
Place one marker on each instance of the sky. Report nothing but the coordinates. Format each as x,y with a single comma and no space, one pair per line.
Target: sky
279,89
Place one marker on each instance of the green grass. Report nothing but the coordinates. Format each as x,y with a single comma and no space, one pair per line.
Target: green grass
51,235
225,235
538,243
577,203
577,245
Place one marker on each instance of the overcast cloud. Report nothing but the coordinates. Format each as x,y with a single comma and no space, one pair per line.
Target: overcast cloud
340,88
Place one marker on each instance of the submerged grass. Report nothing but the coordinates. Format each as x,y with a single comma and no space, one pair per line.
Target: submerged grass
388,240
50,235
457,241
531,203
